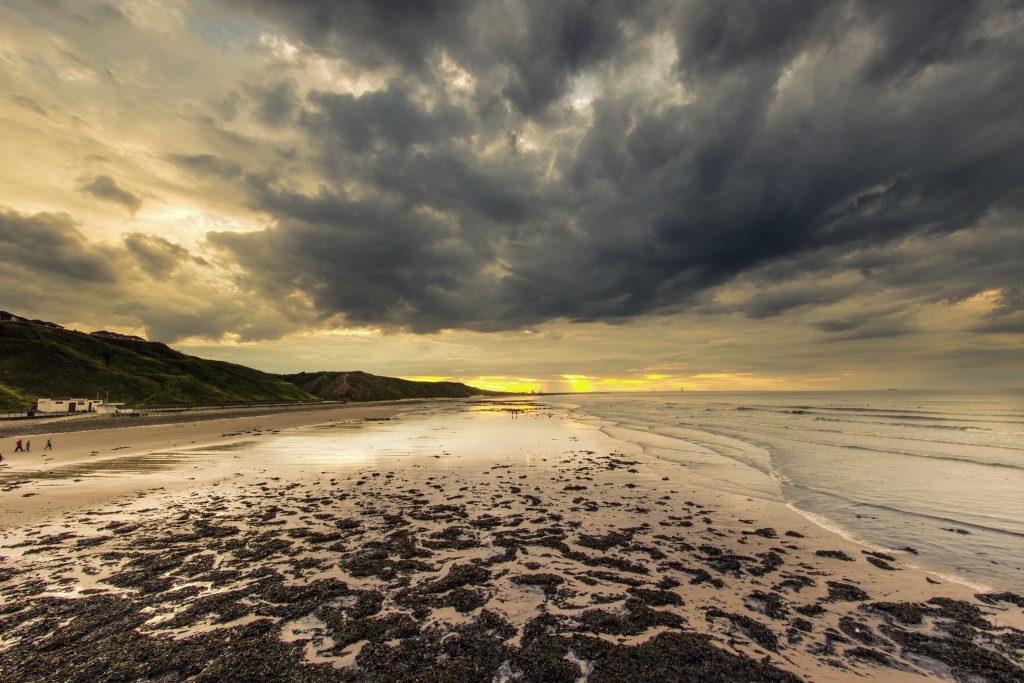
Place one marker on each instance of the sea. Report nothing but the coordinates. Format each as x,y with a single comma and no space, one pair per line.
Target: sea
937,472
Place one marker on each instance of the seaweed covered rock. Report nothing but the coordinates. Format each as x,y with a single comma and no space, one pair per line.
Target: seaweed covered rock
673,656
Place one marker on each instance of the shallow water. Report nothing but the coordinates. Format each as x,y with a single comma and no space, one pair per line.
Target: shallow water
942,473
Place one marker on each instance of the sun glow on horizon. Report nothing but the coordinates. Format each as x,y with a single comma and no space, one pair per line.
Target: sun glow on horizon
579,383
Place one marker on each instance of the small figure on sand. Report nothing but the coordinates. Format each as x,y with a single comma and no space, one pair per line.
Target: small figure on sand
19,447
28,446
48,446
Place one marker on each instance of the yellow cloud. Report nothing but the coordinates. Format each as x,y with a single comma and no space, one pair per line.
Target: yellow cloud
501,383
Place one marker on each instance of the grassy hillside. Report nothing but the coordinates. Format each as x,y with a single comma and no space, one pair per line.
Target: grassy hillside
362,386
38,361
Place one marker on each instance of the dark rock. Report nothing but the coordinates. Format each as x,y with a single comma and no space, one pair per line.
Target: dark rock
845,592
857,630
606,542
870,655
655,598
755,630
834,555
680,657
769,604
548,583
993,598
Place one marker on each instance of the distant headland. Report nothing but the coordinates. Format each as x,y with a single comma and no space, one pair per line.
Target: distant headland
41,359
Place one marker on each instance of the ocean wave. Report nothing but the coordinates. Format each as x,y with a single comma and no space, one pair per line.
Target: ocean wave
909,411
758,438
936,456
885,507
829,412
959,428
925,418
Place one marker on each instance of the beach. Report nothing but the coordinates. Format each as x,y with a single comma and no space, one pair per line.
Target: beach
498,539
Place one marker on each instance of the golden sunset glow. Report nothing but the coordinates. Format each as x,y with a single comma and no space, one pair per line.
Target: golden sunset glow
500,383
572,383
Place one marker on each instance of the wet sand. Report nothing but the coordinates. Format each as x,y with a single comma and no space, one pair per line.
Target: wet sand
12,429
154,453
450,542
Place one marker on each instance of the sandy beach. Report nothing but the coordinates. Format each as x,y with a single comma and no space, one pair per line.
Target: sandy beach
150,453
478,540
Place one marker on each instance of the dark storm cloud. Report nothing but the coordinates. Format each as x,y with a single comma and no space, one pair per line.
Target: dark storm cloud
563,39
157,256
541,45
387,131
1013,324
916,35
795,131
1010,300
1008,315
370,34
377,262
951,269
206,164
867,325
775,302
106,188
388,118
52,245
277,104
452,184
713,38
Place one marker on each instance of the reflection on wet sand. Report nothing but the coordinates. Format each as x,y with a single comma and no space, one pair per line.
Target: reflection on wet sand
130,465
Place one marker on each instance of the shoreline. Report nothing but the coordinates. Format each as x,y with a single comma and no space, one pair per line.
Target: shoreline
835,528
820,521
530,542
868,478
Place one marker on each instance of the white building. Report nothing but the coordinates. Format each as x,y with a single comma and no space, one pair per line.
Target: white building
70,405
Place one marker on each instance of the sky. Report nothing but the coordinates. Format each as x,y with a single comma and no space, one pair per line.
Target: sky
555,196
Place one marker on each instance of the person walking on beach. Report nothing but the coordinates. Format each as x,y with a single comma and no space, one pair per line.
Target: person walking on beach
18,447
28,446
48,446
